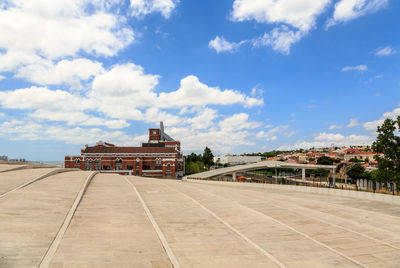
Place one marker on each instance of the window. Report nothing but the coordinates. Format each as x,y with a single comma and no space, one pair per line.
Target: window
137,163
169,167
118,164
77,163
158,164
154,132
129,167
97,164
88,164
147,167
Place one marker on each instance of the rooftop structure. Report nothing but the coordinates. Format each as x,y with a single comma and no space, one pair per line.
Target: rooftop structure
61,218
160,157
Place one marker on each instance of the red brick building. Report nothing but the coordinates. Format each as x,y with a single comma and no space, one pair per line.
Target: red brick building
160,157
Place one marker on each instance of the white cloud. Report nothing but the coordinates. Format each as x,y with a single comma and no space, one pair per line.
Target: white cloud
120,90
46,29
40,97
194,93
219,140
155,115
335,127
73,118
279,39
2,77
143,7
373,125
386,51
238,122
361,68
221,45
300,14
346,10
273,133
69,72
353,122
2,115
330,139
56,105
123,92
28,130
203,119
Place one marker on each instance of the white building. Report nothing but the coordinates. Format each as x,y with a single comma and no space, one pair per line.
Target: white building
236,160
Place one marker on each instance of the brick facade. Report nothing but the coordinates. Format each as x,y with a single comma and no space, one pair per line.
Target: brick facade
160,157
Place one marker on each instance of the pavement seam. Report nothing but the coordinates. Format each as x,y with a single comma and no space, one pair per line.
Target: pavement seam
161,237
339,226
300,233
47,258
233,229
51,173
329,223
273,187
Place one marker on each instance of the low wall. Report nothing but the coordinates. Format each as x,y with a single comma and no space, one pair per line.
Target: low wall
385,198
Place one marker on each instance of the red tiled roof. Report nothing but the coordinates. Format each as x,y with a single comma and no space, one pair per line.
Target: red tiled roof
127,150
362,153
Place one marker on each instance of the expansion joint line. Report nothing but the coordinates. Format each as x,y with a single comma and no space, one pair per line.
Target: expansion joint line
161,237
51,251
302,234
338,226
51,173
323,221
233,229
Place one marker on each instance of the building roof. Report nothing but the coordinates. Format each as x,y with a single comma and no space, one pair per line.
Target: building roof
126,150
361,153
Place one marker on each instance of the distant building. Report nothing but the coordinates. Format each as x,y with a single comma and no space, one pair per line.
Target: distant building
359,155
22,160
3,158
160,157
236,159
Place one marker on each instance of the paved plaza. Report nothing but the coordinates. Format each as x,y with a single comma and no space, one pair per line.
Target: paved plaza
71,219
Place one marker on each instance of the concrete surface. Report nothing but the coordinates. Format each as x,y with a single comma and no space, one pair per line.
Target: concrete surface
203,225
385,198
12,179
5,167
110,229
30,218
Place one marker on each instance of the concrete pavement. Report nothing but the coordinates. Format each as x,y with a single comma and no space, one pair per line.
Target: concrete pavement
142,222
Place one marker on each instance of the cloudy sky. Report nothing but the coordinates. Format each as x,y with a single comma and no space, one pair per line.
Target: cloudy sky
235,75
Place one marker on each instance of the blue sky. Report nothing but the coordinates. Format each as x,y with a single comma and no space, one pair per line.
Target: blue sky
234,75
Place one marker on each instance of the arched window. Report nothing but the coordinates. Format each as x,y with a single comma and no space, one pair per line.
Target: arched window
77,163
137,163
88,164
169,167
118,164
97,164
158,164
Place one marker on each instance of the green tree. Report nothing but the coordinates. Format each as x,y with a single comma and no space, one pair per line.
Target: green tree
356,172
388,143
325,160
208,157
192,168
355,160
320,172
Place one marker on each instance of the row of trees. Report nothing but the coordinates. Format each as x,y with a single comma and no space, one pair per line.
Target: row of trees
195,163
